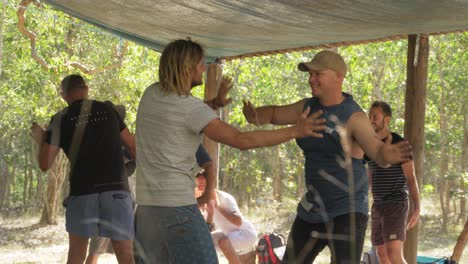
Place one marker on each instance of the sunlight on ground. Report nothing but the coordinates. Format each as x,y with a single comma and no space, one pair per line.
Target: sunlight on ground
23,241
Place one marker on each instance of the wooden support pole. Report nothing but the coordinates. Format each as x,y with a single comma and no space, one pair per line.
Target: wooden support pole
214,75
415,113
460,246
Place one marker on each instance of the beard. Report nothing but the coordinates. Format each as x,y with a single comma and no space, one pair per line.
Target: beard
378,127
196,83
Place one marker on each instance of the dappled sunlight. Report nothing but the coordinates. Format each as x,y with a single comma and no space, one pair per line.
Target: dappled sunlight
21,239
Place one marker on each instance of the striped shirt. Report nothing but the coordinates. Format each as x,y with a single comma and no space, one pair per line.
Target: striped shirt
388,184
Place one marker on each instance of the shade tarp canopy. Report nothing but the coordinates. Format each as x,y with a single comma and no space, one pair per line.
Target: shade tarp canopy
231,28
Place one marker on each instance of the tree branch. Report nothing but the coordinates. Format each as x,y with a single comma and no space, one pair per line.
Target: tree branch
32,36
88,70
21,20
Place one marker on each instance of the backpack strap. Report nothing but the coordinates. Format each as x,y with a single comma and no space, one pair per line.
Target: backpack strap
262,254
272,254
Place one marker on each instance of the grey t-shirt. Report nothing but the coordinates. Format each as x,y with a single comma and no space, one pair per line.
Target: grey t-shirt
168,133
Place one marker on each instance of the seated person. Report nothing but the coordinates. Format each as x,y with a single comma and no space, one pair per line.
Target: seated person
231,232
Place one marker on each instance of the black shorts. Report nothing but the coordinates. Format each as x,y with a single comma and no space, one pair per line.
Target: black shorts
307,240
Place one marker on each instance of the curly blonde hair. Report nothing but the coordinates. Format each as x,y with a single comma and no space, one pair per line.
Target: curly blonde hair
178,60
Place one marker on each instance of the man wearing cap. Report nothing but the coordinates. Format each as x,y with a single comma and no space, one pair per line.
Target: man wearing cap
333,212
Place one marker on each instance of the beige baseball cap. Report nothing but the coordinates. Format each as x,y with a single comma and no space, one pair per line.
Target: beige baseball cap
325,60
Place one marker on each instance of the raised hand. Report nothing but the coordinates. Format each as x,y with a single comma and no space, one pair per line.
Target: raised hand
400,152
310,126
37,133
204,197
250,112
222,99
388,139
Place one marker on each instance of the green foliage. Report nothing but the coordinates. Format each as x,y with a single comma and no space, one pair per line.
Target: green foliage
376,72
428,189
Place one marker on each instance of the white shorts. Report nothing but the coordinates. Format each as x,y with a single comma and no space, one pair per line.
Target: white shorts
242,240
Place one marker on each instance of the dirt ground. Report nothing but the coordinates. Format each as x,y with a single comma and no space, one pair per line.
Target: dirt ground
22,240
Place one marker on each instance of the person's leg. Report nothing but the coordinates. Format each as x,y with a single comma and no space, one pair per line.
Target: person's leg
172,235
346,248
382,254
188,238
116,215
92,259
303,245
376,234
124,249
98,246
228,250
77,246
243,240
394,251
81,223
394,219
148,245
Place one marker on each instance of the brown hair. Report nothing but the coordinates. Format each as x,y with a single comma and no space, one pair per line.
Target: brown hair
386,109
177,63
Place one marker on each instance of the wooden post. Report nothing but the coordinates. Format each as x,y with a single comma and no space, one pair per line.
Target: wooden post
415,112
460,246
214,76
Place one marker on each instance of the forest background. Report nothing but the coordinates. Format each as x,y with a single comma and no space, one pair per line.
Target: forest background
263,179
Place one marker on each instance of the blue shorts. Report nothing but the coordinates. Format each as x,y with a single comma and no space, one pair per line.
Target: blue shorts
176,235
107,214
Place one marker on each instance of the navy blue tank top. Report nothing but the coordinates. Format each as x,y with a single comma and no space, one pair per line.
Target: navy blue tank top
328,192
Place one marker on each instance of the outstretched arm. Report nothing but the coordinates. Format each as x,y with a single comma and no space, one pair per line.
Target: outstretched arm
384,154
408,171
273,114
221,132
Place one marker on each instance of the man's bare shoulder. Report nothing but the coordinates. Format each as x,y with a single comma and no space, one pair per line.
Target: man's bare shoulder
357,119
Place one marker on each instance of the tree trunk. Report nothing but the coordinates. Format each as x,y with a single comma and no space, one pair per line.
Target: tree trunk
464,163
55,178
454,204
3,182
9,183
39,189
460,246
444,187
415,111
2,16
277,172
25,182
30,200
